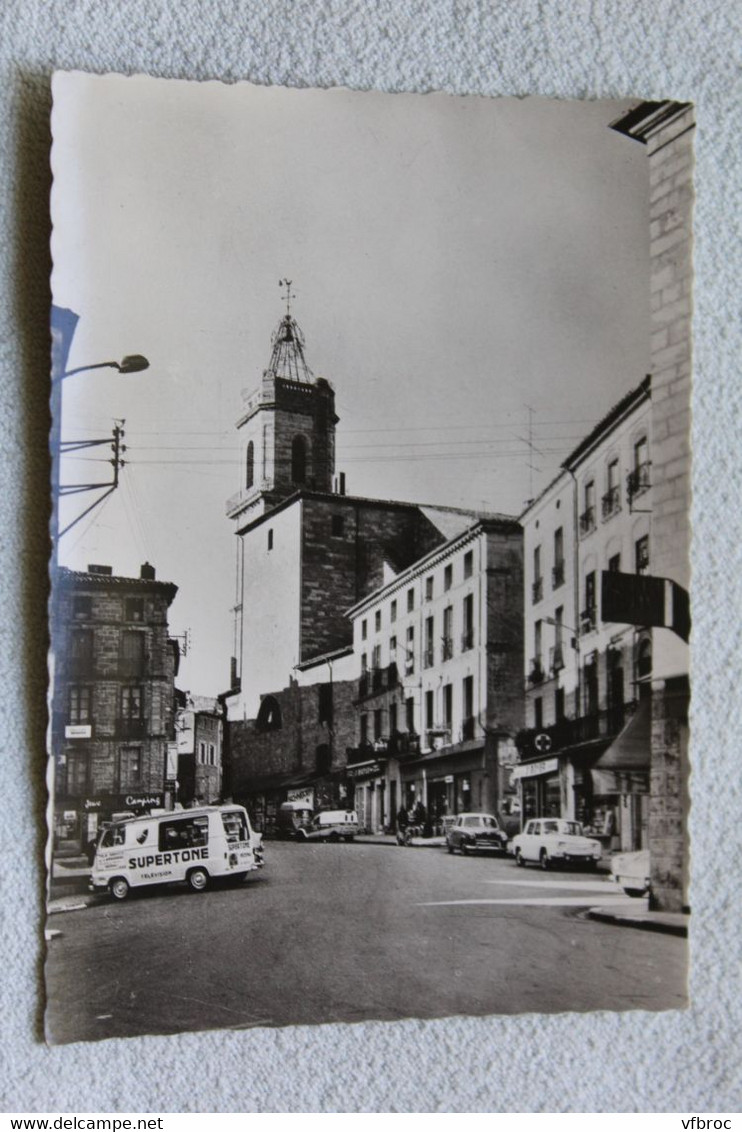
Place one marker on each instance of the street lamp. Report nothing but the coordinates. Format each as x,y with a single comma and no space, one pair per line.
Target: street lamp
132,363
63,325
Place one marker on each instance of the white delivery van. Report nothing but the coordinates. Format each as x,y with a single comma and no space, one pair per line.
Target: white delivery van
179,845
330,825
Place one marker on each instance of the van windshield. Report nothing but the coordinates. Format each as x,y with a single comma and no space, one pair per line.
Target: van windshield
235,826
113,836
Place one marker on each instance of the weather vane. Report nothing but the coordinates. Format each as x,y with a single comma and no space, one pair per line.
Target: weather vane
289,293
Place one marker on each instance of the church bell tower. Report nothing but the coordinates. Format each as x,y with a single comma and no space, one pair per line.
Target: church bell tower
287,427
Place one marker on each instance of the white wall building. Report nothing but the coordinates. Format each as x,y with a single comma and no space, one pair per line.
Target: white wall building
439,660
586,749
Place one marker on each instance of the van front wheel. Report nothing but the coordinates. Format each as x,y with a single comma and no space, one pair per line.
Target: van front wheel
119,888
198,879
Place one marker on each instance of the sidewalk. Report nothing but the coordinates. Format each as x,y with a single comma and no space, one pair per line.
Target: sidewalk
633,912
390,839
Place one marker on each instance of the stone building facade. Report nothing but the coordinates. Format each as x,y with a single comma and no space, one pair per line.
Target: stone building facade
199,729
667,129
112,710
295,746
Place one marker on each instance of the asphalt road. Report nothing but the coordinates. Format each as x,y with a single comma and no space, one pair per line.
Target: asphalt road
328,933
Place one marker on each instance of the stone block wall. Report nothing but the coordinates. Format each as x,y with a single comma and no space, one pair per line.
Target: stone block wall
338,570
107,620
670,150
291,749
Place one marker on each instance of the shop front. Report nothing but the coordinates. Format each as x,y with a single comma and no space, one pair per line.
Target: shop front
78,820
449,783
266,795
370,794
612,790
540,789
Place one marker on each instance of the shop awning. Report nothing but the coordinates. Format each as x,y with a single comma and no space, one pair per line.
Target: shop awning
631,749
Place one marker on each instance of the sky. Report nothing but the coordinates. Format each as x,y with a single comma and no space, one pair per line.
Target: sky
470,274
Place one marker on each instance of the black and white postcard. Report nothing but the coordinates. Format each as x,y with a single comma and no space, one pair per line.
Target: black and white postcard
369,620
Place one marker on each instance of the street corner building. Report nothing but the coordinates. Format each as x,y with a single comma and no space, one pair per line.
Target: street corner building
112,700
607,559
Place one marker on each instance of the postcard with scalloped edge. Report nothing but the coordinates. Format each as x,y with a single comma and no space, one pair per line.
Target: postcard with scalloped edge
369,667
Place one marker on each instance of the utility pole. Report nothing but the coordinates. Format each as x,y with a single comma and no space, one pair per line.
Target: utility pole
117,447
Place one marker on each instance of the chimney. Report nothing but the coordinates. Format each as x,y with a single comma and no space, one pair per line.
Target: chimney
147,572
342,483
93,568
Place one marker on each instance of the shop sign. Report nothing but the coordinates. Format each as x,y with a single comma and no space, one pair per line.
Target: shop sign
302,794
448,779
104,803
172,762
367,770
545,766
78,731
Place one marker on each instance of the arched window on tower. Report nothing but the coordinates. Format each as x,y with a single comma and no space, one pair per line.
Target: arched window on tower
250,465
299,460
269,715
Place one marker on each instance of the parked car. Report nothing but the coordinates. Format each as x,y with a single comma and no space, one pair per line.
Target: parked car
550,841
631,871
472,833
330,825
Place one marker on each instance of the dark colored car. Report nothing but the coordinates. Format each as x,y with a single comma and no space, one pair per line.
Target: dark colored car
472,833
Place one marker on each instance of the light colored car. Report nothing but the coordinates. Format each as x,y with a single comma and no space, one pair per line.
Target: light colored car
330,825
631,871
551,841
472,833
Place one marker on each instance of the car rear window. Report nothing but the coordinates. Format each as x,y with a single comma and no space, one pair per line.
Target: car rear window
235,826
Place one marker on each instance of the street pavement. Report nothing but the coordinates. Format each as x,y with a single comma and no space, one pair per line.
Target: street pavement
351,932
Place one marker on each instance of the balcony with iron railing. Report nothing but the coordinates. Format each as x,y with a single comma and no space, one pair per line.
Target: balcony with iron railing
603,724
556,658
428,657
536,674
245,495
404,744
447,648
587,521
131,727
638,481
79,667
611,502
133,667
557,574
537,590
439,735
467,640
467,728
588,619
